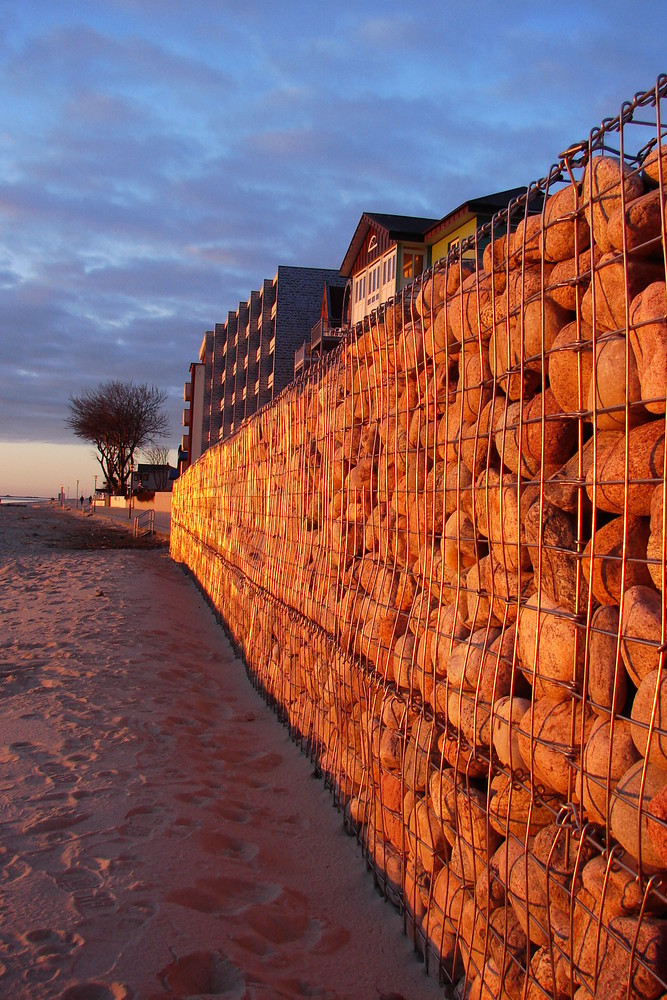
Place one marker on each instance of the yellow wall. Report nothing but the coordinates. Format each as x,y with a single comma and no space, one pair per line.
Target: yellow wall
441,248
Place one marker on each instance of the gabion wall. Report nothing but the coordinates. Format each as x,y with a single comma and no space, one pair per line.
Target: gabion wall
442,553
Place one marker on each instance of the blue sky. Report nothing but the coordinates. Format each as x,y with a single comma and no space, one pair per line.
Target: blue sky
158,160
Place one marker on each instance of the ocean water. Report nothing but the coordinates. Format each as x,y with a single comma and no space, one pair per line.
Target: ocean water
6,499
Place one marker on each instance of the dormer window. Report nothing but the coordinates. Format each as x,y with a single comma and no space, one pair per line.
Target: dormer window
413,265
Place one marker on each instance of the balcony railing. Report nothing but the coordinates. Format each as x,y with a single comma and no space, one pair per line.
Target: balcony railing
186,416
324,337
187,392
302,357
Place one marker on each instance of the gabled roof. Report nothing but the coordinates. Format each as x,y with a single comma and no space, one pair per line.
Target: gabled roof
486,205
398,228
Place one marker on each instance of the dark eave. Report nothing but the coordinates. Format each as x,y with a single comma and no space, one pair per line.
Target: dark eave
488,205
399,228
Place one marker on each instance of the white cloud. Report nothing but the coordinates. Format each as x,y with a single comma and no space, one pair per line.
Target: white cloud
157,161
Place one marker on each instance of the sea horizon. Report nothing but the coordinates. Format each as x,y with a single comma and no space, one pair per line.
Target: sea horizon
22,498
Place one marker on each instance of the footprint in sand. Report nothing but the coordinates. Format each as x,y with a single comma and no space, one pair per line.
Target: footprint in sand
82,757
228,895
47,942
232,812
198,797
284,920
136,913
226,846
207,973
84,888
141,822
57,822
58,774
76,880
42,953
94,901
13,870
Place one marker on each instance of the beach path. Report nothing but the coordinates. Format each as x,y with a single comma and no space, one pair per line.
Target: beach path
161,835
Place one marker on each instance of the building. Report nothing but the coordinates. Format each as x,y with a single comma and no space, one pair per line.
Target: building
192,442
464,221
327,332
387,252
299,314
156,478
249,359
300,292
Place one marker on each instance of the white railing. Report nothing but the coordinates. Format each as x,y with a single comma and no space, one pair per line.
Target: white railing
144,523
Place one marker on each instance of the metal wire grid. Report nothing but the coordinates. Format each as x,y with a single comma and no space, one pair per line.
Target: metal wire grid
442,554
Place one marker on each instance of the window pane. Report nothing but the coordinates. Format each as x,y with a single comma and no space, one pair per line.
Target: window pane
407,265
419,264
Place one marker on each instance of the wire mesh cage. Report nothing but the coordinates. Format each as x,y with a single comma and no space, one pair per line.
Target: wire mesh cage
442,554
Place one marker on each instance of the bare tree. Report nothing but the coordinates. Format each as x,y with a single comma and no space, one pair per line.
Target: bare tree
119,418
158,456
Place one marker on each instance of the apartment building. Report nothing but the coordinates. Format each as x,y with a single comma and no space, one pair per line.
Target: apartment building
249,359
192,441
328,331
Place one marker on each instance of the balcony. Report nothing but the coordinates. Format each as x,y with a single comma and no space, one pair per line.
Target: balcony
187,392
185,443
324,337
302,358
186,416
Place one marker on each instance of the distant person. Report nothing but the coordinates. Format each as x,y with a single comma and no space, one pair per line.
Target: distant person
90,499
81,501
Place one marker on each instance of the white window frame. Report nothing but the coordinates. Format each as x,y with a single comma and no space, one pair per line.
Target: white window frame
374,285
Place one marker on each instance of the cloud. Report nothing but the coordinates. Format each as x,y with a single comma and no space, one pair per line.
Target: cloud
158,161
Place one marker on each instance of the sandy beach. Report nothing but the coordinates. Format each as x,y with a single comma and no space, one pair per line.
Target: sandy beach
161,836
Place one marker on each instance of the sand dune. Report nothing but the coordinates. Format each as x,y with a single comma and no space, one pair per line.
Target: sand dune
160,834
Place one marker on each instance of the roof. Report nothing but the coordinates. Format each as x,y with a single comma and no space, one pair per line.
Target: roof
398,228
488,204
